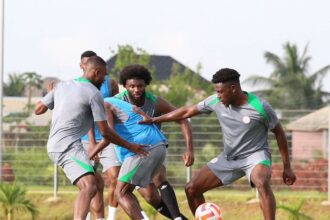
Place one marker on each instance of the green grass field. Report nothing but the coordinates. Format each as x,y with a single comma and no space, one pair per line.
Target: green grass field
233,203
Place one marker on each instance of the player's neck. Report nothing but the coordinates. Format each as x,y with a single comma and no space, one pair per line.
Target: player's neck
137,102
241,99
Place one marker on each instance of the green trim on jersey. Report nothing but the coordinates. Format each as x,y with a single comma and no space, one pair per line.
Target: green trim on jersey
254,101
82,79
86,166
150,96
127,178
122,94
267,163
214,101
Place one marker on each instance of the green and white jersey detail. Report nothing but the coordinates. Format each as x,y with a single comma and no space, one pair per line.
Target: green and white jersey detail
149,106
244,128
75,104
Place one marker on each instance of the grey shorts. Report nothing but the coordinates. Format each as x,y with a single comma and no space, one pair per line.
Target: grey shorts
108,157
139,171
229,171
74,161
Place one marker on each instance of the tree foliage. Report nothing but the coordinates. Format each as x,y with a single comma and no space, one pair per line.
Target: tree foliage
291,85
183,86
31,79
15,86
13,200
127,55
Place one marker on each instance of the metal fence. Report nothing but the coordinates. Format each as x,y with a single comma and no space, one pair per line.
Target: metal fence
25,158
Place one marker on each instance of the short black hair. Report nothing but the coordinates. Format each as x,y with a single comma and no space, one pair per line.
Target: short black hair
96,61
225,75
134,71
88,53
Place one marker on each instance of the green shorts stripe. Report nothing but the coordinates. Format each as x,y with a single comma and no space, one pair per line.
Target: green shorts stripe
127,177
86,166
267,163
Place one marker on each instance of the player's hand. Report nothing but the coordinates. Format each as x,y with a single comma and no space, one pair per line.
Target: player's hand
288,176
96,158
188,158
146,119
138,149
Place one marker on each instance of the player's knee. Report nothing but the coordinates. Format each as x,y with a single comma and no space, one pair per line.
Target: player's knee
152,198
159,179
90,189
263,185
191,189
113,182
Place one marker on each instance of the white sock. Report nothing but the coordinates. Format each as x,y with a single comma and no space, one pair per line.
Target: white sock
178,218
145,217
112,213
88,217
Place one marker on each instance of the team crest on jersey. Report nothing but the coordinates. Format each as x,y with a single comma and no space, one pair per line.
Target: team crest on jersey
214,160
246,119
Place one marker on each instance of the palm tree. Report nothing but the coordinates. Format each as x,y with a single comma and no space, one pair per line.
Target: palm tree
290,85
32,79
15,86
13,199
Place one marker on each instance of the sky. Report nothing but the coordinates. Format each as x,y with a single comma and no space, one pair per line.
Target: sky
48,36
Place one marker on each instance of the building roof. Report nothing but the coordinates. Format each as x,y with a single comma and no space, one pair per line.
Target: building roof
162,64
315,121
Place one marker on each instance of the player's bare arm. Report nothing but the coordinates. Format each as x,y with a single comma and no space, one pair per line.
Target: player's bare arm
92,142
114,87
164,107
288,175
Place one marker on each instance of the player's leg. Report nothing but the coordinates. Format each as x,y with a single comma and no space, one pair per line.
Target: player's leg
87,190
167,193
151,195
111,166
202,181
112,174
77,167
260,176
139,172
97,203
127,200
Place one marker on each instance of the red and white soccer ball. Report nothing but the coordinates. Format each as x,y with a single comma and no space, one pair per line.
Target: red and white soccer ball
208,211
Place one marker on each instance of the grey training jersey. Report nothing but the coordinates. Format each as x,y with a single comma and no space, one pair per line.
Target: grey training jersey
149,106
75,104
244,128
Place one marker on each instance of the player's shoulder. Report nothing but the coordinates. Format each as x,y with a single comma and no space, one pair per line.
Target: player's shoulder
121,95
151,97
212,100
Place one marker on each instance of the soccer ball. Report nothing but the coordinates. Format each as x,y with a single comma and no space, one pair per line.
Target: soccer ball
208,211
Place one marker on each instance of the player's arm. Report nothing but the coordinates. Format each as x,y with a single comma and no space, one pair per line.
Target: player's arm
92,142
40,108
288,175
178,114
164,107
114,87
109,135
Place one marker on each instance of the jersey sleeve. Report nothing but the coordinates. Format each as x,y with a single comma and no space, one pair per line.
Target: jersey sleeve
205,106
48,100
97,107
272,117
